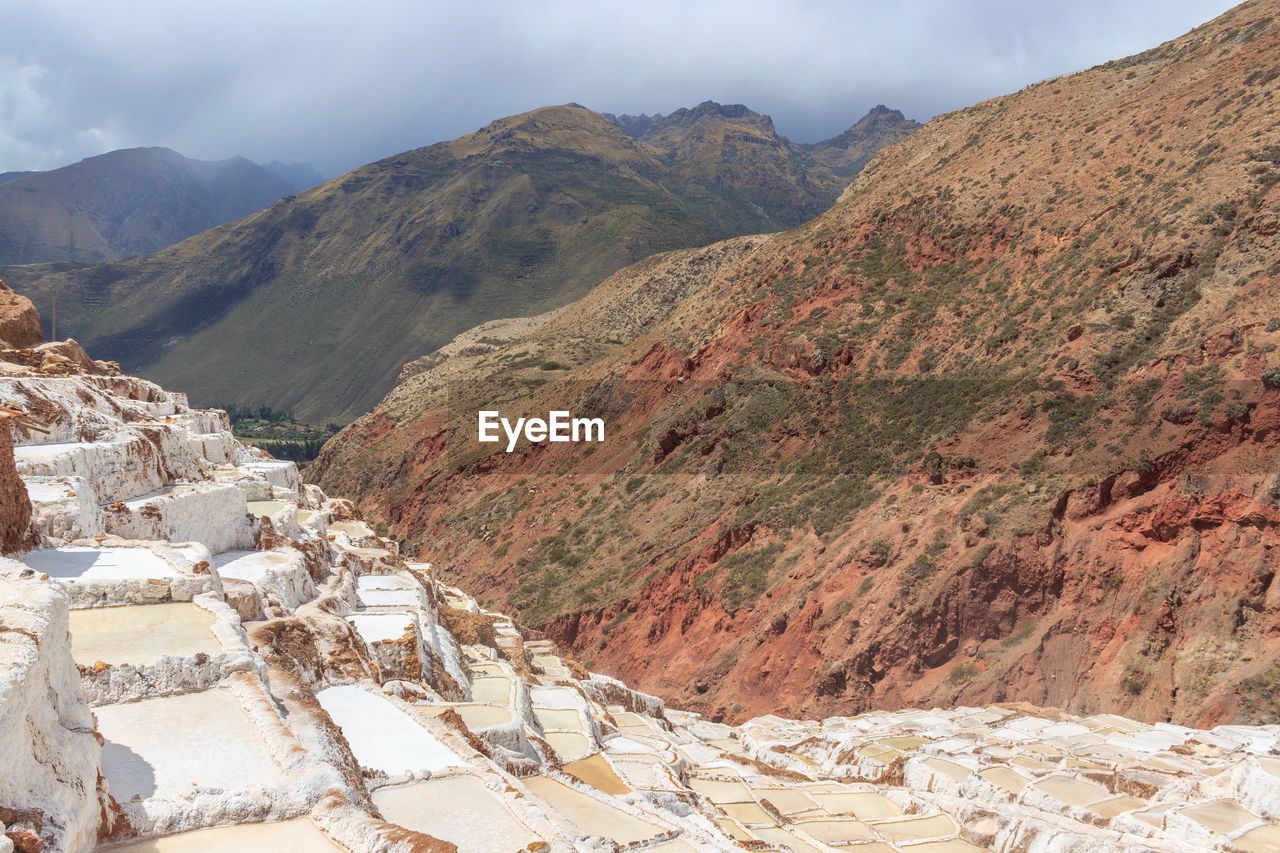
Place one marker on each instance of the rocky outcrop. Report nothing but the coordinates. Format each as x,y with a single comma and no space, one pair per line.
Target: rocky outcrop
19,322
15,506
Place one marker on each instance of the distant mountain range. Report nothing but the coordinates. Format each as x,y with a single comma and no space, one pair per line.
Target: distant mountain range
314,304
131,202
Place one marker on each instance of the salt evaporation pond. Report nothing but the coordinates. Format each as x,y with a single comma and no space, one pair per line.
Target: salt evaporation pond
299,835
219,746
387,591
458,809
354,529
589,814
141,634
596,772
382,737
483,716
379,627
79,563
493,688
569,745
558,718
251,566
267,508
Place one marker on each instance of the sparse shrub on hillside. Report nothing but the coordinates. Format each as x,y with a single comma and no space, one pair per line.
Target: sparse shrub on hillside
961,673
747,574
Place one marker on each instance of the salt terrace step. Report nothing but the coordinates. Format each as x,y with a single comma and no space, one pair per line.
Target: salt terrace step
221,747
213,514
383,736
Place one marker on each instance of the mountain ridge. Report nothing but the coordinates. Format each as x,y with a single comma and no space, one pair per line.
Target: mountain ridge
127,202
340,285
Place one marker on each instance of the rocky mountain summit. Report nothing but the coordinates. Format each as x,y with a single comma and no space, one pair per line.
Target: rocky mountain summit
1003,424
199,652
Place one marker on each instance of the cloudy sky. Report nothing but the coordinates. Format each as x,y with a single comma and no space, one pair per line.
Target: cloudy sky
341,84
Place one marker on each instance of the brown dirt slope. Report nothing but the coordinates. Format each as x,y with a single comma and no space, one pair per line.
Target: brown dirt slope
1001,425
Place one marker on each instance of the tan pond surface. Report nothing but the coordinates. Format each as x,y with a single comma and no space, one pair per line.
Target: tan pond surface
219,746
569,745
292,835
483,716
786,800
596,772
914,828
589,814
268,508
558,718
354,529
141,634
747,813
719,792
838,831
864,805
778,836
458,809
1073,792
1002,777
1225,816
494,688
1264,839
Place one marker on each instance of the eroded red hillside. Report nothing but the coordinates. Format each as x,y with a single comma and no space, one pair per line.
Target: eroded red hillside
1001,425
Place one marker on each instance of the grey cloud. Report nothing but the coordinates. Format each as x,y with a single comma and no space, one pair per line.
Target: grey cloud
339,84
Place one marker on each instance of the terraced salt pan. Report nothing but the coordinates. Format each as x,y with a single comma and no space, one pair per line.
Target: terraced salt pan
141,634
720,792
1073,792
383,737
299,835
278,573
785,839
917,828
378,627
589,814
354,529
251,566
786,800
483,716
749,814
1264,839
458,809
387,591
558,718
864,805
555,697
267,508
596,772
494,689
634,723
838,831
569,745
79,563
219,746
1223,816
